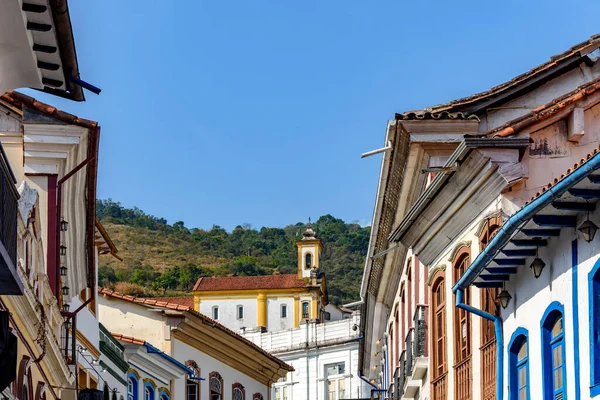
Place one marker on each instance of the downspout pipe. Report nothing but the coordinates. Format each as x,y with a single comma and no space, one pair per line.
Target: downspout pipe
507,229
499,340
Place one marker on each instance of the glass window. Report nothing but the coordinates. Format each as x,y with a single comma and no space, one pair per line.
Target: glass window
335,369
148,393
240,312
192,390
553,342
132,388
308,261
216,386
519,366
238,394
305,313
283,311
215,313
281,393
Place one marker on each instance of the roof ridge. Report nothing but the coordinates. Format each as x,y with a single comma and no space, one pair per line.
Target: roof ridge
452,105
147,301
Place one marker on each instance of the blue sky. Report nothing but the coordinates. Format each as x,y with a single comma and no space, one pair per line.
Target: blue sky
231,112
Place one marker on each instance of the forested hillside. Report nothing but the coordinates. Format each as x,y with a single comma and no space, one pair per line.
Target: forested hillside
162,259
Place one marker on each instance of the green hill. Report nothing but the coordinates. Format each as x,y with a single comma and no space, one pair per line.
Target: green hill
161,259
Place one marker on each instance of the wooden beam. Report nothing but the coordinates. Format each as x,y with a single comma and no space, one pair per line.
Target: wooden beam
501,270
573,205
482,285
494,277
555,221
541,232
585,193
536,242
509,262
519,252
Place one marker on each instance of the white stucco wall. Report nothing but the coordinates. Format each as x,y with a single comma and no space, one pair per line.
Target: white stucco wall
182,351
228,311
133,320
274,321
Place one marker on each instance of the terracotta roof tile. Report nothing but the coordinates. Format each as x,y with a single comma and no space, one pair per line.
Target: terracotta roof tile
127,339
19,100
546,111
454,108
285,281
175,303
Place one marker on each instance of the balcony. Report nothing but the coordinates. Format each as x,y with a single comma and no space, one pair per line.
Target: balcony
11,284
416,366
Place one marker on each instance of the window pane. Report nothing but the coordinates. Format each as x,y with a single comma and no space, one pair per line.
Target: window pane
283,311
557,328
523,351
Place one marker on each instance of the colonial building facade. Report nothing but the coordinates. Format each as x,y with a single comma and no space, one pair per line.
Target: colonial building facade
458,191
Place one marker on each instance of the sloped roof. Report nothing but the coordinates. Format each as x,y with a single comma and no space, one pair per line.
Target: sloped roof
161,302
465,107
285,281
21,100
545,111
187,301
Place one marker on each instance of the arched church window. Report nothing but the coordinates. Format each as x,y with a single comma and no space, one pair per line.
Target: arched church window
305,313
308,261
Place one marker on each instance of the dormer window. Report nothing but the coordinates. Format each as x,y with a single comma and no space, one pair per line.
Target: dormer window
308,261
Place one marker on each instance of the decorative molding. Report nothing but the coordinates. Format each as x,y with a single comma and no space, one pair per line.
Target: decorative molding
433,271
460,245
485,220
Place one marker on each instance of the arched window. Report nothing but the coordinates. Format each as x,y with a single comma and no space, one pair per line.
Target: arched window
132,385
240,312
594,299
308,261
257,396
24,380
553,353
192,386
164,394
489,304
40,391
215,313
216,386
438,318
518,365
305,310
462,332
149,390
238,392
283,311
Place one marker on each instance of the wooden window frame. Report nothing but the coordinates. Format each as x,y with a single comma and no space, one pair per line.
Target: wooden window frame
439,333
239,387
462,351
217,376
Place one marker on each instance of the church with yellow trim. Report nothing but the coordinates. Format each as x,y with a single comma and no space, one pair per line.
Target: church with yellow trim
269,303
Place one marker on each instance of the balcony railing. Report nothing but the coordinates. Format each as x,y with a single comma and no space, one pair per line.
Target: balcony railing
420,332
401,376
439,387
9,198
488,370
409,352
462,378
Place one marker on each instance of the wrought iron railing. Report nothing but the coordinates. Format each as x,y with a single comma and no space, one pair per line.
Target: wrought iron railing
408,341
401,376
420,333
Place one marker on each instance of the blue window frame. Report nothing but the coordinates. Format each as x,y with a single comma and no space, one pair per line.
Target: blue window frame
518,358
163,394
132,386
594,318
554,369
149,390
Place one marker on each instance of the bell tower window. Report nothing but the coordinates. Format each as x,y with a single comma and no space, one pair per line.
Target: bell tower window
308,261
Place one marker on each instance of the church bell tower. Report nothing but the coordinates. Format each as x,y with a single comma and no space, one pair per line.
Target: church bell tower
309,252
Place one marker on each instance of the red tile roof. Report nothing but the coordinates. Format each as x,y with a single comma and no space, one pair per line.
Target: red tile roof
545,111
182,301
286,281
162,302
127,339
19,100
455,108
